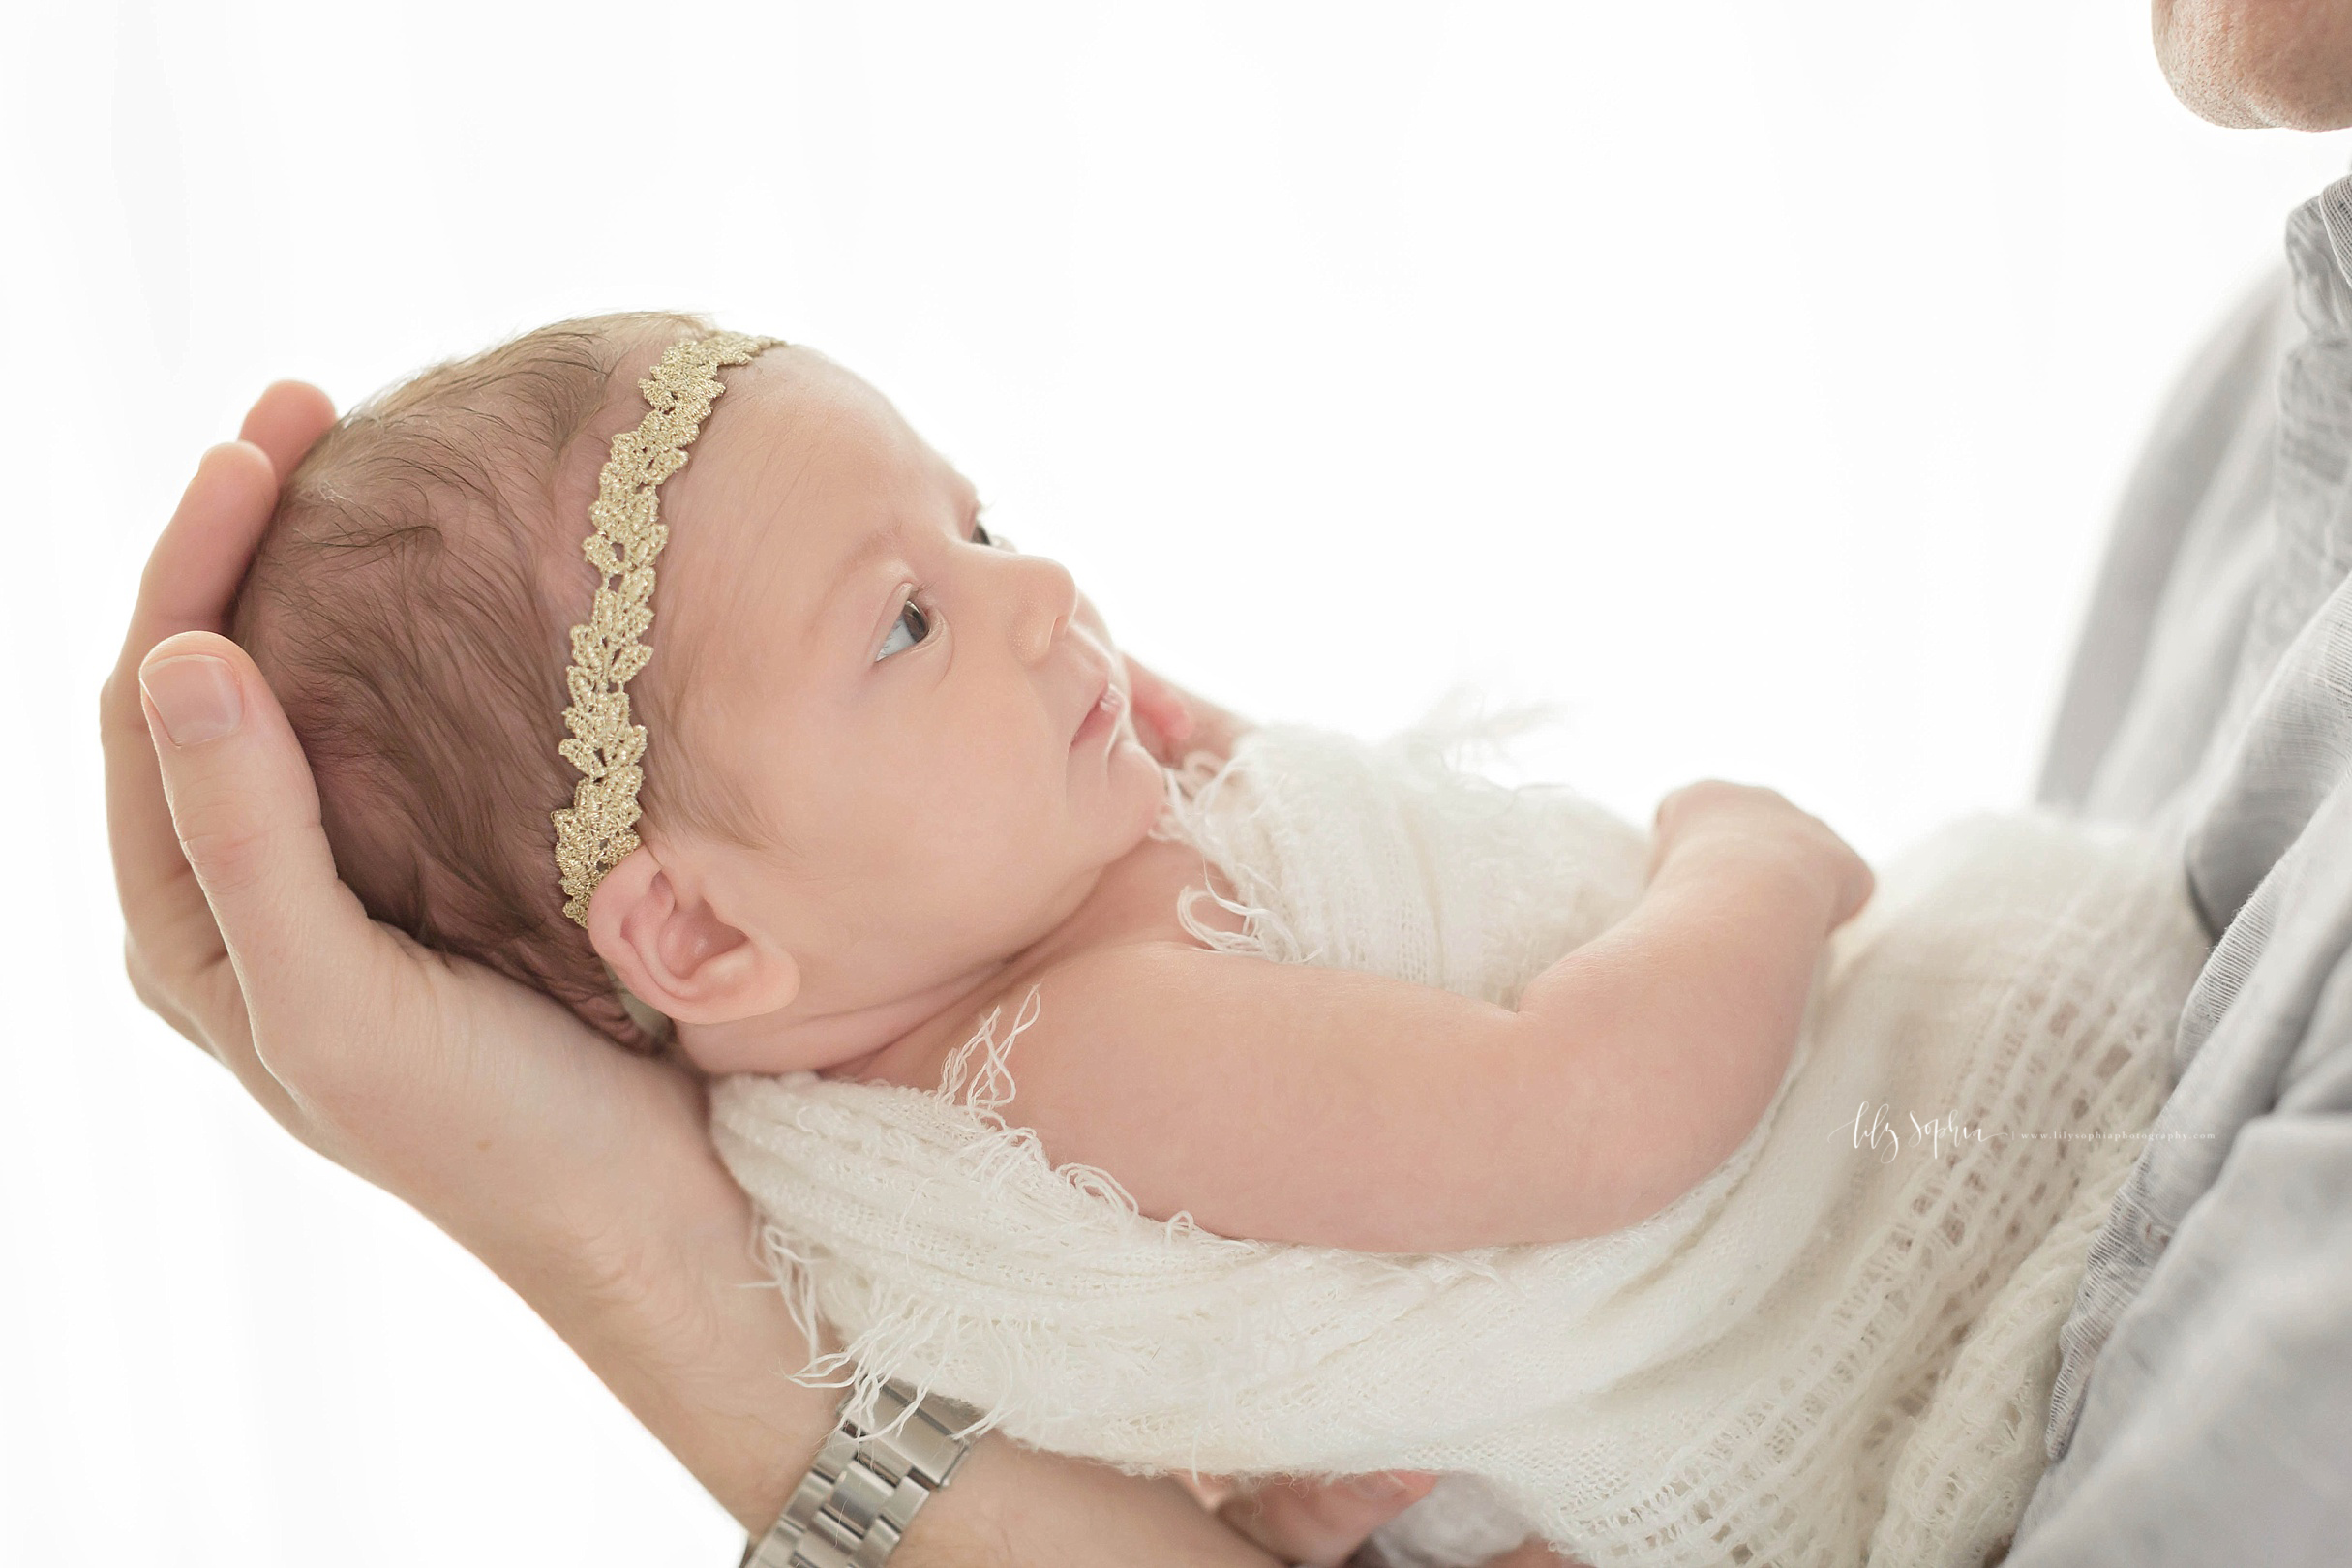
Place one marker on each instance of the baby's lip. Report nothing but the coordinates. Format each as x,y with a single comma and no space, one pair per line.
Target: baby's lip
1106,700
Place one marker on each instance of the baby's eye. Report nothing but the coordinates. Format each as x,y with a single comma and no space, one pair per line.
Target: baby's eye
981,535
911,628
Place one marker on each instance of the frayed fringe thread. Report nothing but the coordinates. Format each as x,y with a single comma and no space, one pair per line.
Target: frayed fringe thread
985,1089
1460,726
981,1089
991,1087
1208,809
908,1329
859,1366
1197,816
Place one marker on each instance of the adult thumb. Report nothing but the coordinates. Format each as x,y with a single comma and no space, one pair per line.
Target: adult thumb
245,811
1315,1523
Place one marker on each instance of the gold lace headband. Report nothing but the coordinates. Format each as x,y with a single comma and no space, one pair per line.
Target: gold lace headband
596,831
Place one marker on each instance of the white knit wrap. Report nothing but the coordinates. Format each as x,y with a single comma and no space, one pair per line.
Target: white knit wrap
1822,1352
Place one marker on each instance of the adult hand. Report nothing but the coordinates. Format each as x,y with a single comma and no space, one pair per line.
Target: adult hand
1328,1514
580,1173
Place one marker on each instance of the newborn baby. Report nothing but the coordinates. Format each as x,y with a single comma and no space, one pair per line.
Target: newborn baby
893,794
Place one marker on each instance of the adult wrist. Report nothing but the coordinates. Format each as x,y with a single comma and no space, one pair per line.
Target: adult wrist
1017,1507
878,1470
687,1332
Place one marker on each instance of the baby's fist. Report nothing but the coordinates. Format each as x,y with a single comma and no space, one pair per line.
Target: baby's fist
1712,811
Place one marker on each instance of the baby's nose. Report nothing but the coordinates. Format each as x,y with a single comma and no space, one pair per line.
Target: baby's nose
1048,598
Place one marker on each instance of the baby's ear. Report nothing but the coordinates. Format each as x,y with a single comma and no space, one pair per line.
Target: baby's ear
678,955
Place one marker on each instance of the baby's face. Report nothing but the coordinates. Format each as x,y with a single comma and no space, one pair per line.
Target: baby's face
931,729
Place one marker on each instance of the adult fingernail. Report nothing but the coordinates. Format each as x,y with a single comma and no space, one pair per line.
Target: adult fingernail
195,696
1377,1488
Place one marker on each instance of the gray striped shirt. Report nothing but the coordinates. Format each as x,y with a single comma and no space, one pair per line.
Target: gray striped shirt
2203,1408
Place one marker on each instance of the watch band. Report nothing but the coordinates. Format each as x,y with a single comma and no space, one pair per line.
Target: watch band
863,1491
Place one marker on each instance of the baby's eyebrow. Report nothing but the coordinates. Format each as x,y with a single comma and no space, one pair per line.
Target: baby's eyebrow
855,568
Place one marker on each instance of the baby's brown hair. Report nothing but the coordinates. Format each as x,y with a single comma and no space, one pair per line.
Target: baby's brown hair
409,607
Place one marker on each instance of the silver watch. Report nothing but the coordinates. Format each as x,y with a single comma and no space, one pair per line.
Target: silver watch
864,1490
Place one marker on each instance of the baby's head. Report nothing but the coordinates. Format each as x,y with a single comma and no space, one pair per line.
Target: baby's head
870,772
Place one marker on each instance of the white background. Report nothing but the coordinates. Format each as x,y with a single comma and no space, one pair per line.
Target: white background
1750,377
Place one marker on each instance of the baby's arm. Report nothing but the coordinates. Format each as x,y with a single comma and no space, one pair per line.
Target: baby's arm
1701,988
1291,1102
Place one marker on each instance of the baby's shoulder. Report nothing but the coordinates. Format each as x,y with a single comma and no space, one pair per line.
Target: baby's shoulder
1125,942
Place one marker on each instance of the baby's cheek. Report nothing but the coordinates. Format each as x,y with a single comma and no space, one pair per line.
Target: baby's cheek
1091,619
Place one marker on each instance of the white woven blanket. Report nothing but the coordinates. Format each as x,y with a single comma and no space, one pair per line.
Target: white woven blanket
1837,1348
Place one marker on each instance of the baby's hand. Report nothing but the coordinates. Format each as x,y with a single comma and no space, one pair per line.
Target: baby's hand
1714,812
1172,723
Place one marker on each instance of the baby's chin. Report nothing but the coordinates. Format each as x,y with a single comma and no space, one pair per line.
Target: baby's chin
1129,755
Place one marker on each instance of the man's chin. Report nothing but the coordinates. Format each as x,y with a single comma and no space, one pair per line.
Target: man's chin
2260,63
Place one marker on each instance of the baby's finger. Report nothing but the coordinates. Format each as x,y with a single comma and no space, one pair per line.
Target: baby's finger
1532,1555
1208,1490
1163,721
1322,1523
